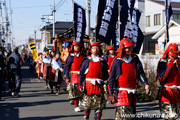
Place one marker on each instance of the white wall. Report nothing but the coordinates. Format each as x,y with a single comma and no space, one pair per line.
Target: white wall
152,8
174,35
141,6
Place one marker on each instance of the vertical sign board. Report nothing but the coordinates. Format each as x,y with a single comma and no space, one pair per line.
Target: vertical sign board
33,49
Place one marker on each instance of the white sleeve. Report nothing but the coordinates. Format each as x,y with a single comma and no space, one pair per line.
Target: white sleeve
55,65
46,60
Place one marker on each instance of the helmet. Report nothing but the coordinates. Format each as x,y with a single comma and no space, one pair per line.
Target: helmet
98,45
95,44
125,42
173,50
109,48
73,44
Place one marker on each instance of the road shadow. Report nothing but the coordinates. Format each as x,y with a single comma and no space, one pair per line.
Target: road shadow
10,111
52,117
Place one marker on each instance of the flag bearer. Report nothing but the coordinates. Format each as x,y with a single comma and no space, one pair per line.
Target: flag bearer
126,69
168,73
72,73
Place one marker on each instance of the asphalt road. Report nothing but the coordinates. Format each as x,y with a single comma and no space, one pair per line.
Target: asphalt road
37,103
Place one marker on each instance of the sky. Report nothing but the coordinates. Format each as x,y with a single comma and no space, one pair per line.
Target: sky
26,15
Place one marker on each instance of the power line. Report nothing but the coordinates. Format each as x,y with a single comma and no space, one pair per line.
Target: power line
31,7
39,27
60,4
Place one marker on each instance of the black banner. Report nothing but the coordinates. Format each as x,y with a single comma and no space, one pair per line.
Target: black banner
107,18
138,36
79,23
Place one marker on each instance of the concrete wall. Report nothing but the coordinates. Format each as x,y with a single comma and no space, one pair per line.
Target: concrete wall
150,63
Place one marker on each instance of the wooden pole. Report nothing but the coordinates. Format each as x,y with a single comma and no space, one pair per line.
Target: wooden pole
96,19
119,20
72,3
165,3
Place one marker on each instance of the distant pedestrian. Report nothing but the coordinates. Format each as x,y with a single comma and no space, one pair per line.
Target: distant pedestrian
65,53
39,66
52,54
2,65
55,74
46,65
15,62
5,69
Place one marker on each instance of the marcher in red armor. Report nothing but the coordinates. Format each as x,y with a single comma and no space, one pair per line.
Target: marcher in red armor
109,56
46,65
126,69
93,72
72,73
168,73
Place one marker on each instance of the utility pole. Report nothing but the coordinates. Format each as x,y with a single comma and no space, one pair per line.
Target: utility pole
54,10
88,13
54,18
35,36
7,25
0,23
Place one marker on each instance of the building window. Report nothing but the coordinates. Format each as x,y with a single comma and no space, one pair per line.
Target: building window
157,19
147,21
176,16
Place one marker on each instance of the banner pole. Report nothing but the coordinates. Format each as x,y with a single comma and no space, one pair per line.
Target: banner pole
165,3
96,19
119,20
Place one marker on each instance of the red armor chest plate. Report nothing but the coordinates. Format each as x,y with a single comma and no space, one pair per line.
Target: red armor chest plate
110,59
95,72
173,78
76,67
128,76
76,64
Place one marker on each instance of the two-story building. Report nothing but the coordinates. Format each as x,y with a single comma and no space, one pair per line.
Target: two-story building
153,20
